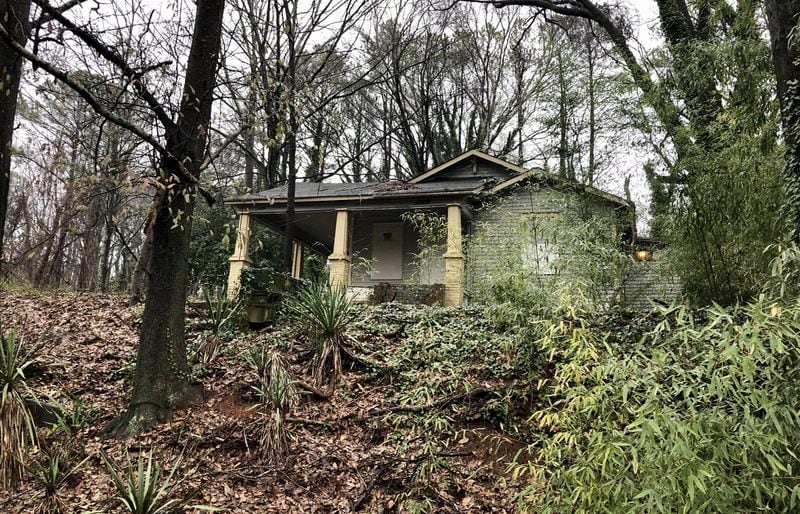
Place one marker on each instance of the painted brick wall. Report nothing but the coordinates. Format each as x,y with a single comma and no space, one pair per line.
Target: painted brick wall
495,230
495,243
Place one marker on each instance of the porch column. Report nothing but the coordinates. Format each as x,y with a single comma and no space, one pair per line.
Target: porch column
339,260
297,260
454,259
240,258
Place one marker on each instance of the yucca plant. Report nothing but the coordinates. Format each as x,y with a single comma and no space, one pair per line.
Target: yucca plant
77,417
326,311
17,430
220,310
143,488
58,466
277,391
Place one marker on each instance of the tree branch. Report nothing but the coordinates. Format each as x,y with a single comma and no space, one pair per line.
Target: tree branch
110,55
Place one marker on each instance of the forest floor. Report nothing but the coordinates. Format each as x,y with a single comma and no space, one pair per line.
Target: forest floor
422,424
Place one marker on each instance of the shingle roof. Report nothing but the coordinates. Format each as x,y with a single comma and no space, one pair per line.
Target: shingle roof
364,189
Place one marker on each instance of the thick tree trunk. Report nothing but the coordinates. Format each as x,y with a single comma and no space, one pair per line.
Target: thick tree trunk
14,15
782,16
162,381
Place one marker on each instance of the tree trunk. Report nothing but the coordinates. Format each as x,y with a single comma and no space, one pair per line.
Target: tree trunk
782,18
105,259
141,272
291,140
162,381
14,15
592,117
562,118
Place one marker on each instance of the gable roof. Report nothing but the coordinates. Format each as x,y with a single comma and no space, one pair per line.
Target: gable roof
464,156
572,184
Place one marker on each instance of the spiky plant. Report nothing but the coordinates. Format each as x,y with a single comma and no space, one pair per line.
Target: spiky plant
220,310
143,488
326,312
17,430
276,388
59,464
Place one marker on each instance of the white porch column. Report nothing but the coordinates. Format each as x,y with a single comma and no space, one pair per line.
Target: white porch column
454,259
339,260
297,260
240,258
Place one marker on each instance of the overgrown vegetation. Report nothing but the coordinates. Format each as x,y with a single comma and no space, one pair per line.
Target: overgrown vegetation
524,264
52,473
17,430
220,313
143,488
325,311
677,410
278,394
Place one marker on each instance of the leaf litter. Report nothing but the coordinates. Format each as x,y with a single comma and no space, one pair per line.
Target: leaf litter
342,458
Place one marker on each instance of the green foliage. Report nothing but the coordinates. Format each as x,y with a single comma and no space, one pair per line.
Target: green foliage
78,416
220,312
444,351
526,265
325,311
213,240
695,413
143,488
276,388
52,473
17,430
719,207
431,232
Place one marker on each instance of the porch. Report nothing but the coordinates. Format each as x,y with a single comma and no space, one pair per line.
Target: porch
365,244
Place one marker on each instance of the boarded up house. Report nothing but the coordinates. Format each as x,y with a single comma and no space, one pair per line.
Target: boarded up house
373,243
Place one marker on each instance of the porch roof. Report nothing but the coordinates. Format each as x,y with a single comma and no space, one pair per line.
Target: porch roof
307,192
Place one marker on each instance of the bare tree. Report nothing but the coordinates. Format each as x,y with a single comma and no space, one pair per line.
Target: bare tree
162,381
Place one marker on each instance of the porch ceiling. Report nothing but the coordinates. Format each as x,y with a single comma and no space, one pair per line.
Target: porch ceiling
315,226
313,229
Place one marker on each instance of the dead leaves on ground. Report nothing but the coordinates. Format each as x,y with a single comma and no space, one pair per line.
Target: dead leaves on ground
88,347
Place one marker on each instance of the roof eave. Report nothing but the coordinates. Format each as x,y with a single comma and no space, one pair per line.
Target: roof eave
472,153
252,201
538,173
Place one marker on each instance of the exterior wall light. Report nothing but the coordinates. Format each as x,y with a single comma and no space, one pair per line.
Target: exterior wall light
642,255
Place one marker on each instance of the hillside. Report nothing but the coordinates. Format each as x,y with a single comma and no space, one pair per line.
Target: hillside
415,424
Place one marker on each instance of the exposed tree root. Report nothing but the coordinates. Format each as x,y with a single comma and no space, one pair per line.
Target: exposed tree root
315,391
143,415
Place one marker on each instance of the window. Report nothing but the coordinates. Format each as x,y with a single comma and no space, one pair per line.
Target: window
539,238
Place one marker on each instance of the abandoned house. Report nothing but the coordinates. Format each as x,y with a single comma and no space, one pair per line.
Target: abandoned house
379,245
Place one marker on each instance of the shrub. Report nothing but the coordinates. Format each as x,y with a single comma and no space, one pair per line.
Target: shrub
220,311
17,430
144,489
699,414
79,416
58,466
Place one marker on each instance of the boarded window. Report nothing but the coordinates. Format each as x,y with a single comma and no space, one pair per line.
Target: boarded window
539,242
